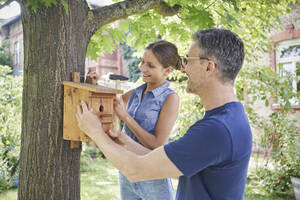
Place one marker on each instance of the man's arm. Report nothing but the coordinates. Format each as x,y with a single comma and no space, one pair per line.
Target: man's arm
128,143
153,165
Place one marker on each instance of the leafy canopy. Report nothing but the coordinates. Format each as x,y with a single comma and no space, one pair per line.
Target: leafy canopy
251,20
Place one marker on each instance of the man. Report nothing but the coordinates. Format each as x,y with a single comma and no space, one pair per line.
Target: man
212,157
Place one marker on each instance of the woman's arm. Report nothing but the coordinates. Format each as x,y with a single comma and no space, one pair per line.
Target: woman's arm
166,120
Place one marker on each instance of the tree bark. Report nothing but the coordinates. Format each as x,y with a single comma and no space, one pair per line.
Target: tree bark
55,44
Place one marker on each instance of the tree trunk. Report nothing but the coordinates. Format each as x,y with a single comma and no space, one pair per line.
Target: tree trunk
55,45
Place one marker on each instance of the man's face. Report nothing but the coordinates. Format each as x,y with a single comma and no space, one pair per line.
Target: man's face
196,69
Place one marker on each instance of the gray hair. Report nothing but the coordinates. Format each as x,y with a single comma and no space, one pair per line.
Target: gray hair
225,47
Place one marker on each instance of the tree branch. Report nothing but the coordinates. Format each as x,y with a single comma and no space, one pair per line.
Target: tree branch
210,5
164,9
107,14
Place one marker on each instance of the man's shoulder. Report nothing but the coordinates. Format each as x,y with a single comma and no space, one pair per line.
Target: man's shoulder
209,128
210,122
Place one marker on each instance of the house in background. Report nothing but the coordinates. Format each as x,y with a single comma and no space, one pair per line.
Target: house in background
287,49
285,52
108,63
11,32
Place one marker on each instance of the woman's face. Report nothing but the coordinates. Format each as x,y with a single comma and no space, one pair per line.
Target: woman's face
152,69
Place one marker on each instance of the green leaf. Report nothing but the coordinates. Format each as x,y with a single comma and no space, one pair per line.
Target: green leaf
266,103
198,18
66,6
234,3
124,26
108,44
33,4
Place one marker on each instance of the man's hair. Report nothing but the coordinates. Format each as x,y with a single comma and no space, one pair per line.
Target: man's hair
225,47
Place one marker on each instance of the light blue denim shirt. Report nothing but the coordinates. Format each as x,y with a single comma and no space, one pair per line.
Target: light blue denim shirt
146,112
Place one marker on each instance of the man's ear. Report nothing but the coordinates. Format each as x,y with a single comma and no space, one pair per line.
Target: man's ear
211,67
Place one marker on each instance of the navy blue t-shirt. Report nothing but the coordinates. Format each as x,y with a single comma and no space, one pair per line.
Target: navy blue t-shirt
213,155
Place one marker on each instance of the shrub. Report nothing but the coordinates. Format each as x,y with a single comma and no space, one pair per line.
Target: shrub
282,140
10,125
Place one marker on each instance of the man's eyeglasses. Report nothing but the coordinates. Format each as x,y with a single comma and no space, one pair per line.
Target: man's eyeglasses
185,59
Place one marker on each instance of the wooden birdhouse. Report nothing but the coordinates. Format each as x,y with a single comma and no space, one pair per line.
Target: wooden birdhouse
98,97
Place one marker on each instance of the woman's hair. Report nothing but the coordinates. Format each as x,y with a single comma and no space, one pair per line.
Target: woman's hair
166,53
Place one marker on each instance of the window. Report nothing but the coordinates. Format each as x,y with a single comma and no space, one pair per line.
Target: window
288,56
17,53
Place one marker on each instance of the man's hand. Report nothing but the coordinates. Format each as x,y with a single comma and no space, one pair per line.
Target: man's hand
119,108
88,122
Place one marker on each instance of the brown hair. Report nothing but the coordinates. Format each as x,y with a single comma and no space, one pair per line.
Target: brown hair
166,53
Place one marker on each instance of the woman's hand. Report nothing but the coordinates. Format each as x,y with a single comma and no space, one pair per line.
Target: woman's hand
119,108
88,122
92,78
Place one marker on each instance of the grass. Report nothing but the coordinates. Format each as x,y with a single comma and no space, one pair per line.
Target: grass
254,193
99,181
9,195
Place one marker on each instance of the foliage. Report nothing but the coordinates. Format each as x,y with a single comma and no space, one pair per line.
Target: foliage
263,83
10,125
90,151
36,3
255,189
279,138
5,55
252,21
282,139
132,62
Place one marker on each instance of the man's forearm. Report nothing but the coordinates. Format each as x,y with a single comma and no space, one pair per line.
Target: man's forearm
124,159
129,163
134,146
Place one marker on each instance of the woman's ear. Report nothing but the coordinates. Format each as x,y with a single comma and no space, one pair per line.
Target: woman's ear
168,70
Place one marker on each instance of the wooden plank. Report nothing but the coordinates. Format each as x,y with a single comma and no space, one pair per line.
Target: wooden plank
102,106
75,78
72,98
93,88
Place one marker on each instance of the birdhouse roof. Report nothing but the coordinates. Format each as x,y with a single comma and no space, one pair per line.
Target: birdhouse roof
93,88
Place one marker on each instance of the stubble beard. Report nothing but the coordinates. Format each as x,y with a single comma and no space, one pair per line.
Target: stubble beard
188,88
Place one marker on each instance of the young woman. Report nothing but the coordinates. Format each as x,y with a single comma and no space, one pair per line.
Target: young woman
151,112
